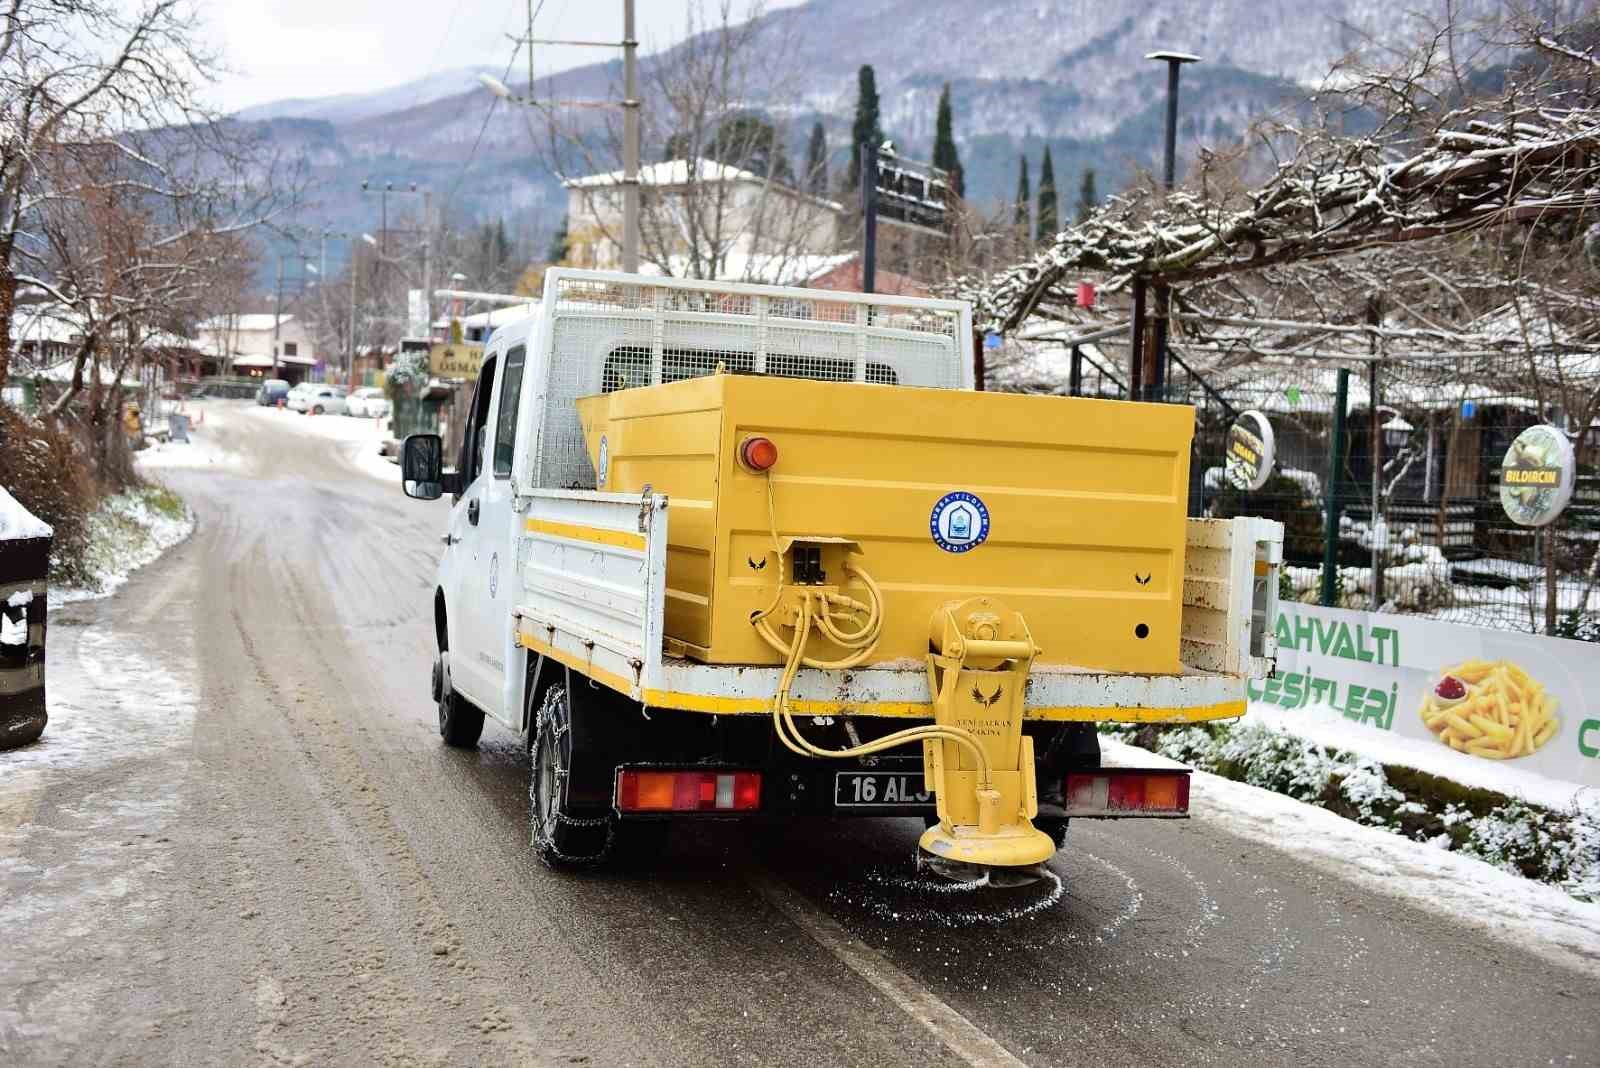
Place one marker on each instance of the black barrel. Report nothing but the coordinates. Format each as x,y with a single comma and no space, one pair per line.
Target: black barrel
24,568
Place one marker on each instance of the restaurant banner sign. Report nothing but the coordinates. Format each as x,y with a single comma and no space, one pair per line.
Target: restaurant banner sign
1526,700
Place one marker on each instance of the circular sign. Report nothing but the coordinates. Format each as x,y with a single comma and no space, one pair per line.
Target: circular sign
1537,476
959,522
1250,451
604,467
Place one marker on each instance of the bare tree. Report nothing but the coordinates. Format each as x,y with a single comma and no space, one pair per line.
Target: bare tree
78,72
724,201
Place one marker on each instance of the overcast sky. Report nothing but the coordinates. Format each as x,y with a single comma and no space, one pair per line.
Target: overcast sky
300,48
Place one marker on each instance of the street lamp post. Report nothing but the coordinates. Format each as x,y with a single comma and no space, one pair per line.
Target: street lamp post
383,235
1155,376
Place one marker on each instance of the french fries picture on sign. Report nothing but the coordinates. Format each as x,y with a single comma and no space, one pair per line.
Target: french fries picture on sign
1490,708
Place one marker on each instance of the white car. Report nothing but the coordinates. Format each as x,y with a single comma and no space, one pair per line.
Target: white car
319,399
367,403
293,400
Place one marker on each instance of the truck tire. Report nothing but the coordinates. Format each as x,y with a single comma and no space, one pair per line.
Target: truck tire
561,836
460,722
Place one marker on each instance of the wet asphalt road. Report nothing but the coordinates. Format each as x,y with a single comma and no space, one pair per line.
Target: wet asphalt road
283,865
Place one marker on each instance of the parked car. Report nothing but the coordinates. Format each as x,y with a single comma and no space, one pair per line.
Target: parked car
320,399
368,403
294,400
271,392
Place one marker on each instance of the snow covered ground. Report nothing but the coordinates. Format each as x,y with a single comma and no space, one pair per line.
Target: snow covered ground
1325,726
357,440
1530,915
127,532
208,444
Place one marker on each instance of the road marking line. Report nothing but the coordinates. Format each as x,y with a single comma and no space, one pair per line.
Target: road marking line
957,1032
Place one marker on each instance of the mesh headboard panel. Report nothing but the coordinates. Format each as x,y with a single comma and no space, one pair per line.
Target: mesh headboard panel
608,335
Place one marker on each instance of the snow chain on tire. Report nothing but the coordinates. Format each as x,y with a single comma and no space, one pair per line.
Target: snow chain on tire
555,717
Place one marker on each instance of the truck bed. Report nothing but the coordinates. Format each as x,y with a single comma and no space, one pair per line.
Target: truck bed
592,595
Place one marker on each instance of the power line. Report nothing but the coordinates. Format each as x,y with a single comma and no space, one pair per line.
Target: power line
478,141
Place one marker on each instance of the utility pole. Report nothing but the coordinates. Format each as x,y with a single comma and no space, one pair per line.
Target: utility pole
427,262
1155,377
1334,493
277,318
630,139
630,117
869,216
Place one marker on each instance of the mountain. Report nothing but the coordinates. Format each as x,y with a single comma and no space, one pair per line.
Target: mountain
351,107
1024,73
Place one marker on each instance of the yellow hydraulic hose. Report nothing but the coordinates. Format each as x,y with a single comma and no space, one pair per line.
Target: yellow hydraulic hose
861,642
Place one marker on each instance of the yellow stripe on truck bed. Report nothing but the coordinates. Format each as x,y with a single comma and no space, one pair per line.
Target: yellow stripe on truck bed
622,539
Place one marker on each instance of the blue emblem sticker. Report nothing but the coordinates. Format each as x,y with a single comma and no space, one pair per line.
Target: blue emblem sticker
959,523
605,463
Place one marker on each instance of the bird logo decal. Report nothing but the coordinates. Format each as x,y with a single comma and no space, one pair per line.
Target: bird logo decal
756,565
987,702
1143,580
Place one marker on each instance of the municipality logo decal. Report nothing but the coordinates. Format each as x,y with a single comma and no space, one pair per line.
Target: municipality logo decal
959,523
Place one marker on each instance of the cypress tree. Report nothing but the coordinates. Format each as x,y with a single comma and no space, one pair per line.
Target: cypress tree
557,252
1047,199
817,162
945,155
867,128
1023,195
1087,197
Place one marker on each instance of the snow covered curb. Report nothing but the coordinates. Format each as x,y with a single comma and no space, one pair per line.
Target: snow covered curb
1532,916
1558,846
126,532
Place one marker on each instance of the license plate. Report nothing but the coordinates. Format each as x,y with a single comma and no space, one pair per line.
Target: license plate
879,789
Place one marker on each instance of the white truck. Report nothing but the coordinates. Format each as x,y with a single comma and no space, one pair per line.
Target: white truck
681,624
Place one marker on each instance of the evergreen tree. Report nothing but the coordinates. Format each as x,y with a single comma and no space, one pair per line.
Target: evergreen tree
1087,197
816,162
945,156
1023,195
868,126
1047,199
557,252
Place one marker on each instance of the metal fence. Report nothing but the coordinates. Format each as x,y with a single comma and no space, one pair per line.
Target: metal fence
1439,542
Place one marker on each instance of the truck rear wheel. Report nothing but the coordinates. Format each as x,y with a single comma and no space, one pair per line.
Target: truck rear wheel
561,836
460,722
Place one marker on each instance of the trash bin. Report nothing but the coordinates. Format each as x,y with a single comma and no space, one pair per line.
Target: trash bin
24,570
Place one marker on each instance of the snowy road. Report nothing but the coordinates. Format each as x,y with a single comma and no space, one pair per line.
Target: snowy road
243,843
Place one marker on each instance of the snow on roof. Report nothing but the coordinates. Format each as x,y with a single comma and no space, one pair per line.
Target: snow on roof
677,172
498,316
16,522
45,324
249,322
266,361
669,172
774,269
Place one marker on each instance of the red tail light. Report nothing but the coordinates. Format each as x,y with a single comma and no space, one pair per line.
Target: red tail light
641,790
758,454
1118,792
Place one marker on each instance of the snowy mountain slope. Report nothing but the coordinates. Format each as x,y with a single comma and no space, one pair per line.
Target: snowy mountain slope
353,107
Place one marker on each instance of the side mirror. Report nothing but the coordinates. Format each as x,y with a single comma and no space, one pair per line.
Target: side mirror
422,473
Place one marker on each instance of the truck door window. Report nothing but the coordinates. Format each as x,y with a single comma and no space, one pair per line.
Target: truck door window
477,419
505,431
